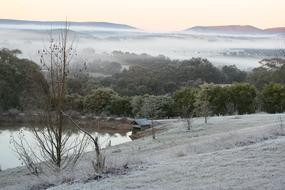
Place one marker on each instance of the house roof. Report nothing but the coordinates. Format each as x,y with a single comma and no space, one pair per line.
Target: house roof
141,122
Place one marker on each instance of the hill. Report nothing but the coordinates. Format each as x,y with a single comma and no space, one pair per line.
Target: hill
231,29
275,30
61,23
235,29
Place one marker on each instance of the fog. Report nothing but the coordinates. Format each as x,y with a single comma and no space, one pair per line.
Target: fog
98,43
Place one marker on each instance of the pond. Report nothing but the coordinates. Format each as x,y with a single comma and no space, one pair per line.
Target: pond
9,159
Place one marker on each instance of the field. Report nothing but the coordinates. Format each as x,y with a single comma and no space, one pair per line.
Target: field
232,152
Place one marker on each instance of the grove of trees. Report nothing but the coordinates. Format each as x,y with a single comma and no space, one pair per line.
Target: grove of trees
155,87
22,85
205,100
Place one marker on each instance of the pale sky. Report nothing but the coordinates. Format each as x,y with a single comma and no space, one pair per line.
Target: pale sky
151,15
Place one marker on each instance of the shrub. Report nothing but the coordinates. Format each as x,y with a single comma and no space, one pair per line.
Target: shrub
273,98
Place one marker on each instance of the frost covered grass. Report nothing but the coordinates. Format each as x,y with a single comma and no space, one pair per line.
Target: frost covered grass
233,152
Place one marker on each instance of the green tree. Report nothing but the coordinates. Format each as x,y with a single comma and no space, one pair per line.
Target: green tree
271,71
202,103
243,97
137,103
22,84
273,98
218,98
259,77
184,101
233,74
156,107
74,102
121,106
99,101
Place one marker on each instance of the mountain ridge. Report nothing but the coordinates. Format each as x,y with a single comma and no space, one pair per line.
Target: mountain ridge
235,29
275,30
222,29
73,23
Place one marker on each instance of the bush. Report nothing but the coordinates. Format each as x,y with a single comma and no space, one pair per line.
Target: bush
184,101
273,98
99,101
243,97
74,102
120,106
153,106
218,98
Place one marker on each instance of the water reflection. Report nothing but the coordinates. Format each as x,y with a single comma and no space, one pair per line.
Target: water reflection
8,159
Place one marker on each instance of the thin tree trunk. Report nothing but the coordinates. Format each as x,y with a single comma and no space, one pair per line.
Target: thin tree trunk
94,140
188,124
152,130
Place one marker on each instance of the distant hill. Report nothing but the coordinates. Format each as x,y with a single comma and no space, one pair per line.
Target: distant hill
226,29
60,23
275,30
235,29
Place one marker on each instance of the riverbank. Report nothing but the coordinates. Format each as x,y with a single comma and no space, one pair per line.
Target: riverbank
87,121
233,152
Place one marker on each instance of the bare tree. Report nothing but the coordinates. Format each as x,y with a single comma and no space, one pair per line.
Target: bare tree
25,153
99,164
187,112
203,110
206,110
151,108
185,100
202,104
56,149
189,121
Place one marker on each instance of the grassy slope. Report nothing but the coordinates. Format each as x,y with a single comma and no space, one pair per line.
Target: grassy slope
234,152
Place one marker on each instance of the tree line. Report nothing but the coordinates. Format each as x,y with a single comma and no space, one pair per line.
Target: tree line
152,87
205,100
159,77
22,84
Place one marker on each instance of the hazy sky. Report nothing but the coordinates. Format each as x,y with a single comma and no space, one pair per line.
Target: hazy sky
152,15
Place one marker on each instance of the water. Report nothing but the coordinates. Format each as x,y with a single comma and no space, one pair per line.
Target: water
9,159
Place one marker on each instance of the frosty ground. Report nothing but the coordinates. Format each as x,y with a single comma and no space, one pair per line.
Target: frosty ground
232,152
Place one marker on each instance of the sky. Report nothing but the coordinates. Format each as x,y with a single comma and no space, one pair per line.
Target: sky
151,15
